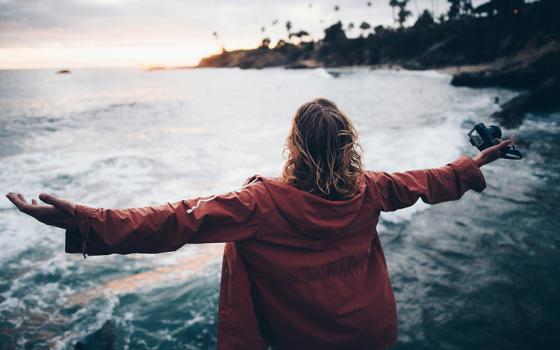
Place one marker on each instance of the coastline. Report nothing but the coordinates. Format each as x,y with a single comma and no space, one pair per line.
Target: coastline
518,51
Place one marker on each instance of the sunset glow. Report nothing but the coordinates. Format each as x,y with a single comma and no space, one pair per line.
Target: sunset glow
75,33
62,57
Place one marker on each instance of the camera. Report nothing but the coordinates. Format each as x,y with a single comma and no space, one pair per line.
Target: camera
483,137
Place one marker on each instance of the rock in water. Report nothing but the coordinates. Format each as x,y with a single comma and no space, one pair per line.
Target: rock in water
543,98
104,338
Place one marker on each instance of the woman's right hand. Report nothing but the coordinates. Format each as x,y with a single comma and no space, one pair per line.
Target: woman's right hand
57,212
493,153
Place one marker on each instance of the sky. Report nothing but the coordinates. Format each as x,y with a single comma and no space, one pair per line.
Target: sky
116,33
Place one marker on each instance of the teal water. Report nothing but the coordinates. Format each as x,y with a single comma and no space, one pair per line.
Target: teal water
483,272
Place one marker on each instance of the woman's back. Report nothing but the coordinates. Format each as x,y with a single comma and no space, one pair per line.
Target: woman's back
315,273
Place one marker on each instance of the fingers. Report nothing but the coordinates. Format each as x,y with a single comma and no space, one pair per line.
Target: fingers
57,202
34,209
21,197
506,143
15,199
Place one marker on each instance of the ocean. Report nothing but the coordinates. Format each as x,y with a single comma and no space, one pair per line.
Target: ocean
479,273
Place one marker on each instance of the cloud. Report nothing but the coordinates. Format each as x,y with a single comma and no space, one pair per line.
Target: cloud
177,25
71,22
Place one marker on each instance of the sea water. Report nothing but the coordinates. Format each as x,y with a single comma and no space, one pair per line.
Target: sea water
482,272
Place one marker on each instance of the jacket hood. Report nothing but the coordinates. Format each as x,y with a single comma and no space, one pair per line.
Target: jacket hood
311,215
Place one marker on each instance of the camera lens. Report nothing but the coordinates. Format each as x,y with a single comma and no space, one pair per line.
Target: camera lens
475,139
495,131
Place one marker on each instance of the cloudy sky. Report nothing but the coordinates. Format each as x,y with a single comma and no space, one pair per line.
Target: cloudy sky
94,33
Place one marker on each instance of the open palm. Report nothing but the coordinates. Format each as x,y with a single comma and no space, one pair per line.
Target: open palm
56,212
493,153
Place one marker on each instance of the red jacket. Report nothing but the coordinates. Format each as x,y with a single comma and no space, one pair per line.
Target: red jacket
299,271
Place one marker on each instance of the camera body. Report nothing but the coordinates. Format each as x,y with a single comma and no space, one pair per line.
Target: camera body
483,137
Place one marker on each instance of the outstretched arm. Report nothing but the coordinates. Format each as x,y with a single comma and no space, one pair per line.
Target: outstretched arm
94,231
399,190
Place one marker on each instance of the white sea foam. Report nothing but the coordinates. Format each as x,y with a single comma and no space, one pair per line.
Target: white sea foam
321,73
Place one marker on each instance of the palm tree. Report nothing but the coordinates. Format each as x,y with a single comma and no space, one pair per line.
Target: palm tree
369,10
350,27
459,8
289,28
365,27
454,8
217,37
393,4
403,12
265,43
300,35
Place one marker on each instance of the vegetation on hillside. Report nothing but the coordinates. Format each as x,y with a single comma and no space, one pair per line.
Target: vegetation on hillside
513,43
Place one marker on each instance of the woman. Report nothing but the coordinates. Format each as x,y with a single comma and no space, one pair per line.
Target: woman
303,267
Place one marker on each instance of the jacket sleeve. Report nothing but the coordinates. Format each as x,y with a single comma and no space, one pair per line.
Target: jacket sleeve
229,217
400,190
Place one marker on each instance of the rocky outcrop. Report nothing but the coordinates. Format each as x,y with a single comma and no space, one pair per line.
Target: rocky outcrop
538,74
518,50
103,338
526,70
543,98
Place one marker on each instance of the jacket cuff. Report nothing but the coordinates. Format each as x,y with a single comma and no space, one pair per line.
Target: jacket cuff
76,240
469,173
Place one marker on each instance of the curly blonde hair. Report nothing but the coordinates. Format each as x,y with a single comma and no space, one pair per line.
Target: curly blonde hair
322,150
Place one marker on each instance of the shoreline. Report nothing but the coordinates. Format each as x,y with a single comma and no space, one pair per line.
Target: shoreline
513,50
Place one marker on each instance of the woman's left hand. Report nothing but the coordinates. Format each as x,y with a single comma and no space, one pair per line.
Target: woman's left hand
493,153
57,212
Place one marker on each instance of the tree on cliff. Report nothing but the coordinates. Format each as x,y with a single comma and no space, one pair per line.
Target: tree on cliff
459,8
280,44
403,12
334,33
265,43
365,26
425,20
350,27
300,36
217,37
369,10
393,4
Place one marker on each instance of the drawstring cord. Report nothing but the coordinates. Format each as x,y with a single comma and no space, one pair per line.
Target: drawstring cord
84,241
